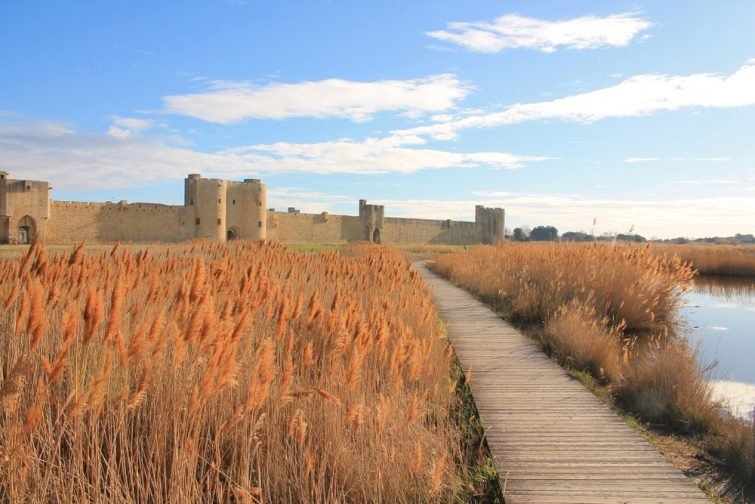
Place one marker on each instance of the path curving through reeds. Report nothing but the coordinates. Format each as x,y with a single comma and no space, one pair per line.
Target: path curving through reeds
553,441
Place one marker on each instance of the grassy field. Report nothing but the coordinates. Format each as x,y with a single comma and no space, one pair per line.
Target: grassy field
610,311
715,259
240,372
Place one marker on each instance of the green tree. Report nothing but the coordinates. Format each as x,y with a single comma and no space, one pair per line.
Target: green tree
544,233
519,235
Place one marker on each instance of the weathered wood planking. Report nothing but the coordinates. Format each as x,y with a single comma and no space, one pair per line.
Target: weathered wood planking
552,440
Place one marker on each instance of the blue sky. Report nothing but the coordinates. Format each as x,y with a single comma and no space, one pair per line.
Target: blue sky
635,115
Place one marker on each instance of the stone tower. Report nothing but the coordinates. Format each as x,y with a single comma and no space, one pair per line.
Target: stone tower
24,209
224,210
491,222
372,217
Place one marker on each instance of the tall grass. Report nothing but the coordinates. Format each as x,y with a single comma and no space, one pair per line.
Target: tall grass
715,259
611,311
211,372
625,285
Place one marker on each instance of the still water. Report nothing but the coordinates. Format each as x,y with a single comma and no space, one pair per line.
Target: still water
721,315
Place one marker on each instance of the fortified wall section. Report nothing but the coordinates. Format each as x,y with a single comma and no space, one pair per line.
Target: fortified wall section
397,230
294,227
218,210
72,222
307,228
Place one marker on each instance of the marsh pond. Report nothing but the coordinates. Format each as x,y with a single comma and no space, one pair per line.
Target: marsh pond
720,312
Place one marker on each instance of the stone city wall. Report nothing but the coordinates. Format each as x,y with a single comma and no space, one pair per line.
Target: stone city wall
401,231
322,228
72,222
289,227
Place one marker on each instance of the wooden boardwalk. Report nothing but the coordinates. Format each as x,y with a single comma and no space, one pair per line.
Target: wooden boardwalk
553,441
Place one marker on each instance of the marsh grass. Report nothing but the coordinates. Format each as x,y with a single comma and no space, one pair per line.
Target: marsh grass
230,373
715,259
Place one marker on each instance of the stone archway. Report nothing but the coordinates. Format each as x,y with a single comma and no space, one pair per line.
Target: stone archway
232,234
376,236
27,230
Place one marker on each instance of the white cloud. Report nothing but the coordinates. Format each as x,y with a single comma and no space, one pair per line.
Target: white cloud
125,127
640,95
132,123
71,159
515,31
641,159
115,131
307,201
67,158
229,102
373,155
441,117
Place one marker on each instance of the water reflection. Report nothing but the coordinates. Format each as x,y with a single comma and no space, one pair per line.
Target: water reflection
739,397
721,314
736,289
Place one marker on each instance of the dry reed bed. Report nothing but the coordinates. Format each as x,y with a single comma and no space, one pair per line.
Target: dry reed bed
210,372
611,311
715,259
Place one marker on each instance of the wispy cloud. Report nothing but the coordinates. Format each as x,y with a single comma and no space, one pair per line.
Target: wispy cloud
228,102
373,155
71,159
306,200
640,95
68,158
654,159
125,127
514,31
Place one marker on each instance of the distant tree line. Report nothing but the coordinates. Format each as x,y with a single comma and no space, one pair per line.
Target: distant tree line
738,238
550,233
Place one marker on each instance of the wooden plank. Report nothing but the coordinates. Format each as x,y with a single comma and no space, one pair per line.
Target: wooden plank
553,442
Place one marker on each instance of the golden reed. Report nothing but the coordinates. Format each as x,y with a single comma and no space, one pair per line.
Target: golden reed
212,372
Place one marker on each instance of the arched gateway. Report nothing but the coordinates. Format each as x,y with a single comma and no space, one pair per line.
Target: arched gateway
27,230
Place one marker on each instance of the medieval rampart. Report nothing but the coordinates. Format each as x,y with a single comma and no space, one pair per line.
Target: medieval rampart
71,222
398,230
314,228
218,210
291,227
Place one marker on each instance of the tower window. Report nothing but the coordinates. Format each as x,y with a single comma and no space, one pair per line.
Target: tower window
234,202
219,222
197,221
219,200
